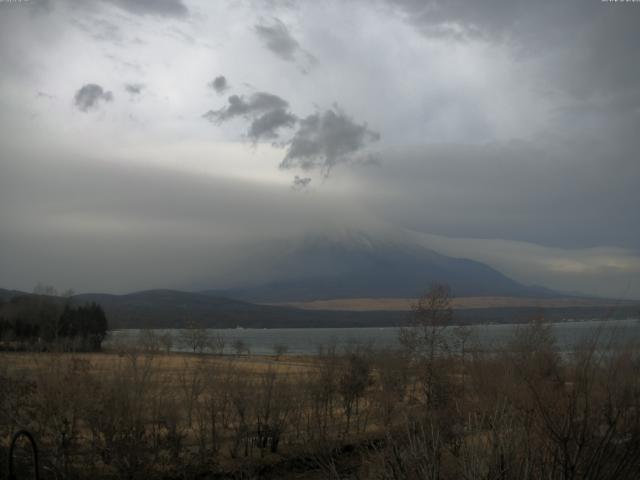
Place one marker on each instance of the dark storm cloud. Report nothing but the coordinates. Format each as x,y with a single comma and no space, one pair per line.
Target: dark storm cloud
267,125
134,88
279,40
90,95
325,140
219,84
239,106
167,8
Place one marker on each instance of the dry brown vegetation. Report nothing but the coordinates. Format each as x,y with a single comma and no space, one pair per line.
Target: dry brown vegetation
458,303
434,410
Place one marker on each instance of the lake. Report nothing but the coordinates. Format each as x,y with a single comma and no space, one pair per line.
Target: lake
616,333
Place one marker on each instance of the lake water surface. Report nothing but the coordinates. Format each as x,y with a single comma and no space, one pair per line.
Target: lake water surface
612,333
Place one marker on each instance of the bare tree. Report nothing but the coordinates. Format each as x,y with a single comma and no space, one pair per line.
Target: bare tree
166,342
196,337
148,341
217,343
240,347
353,382
462,336
191,382
321,389
392,368
280,349
425,338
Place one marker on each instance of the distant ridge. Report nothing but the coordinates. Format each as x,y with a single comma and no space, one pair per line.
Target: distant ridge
7,294
177,309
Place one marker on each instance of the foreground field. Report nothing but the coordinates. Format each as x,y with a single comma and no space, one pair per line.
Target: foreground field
429,411
28,364
139,413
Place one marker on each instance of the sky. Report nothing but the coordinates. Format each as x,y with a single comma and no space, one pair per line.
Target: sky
155,143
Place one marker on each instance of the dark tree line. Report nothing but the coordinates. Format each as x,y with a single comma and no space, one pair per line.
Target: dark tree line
87,322
48,320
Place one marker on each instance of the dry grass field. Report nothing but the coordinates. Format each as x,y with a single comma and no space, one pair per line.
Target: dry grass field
423,412
28,364
460,303
133,414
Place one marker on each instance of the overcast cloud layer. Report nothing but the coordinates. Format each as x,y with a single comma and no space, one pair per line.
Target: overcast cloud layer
151,143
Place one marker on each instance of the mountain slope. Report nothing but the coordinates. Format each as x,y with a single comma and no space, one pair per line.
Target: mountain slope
320,268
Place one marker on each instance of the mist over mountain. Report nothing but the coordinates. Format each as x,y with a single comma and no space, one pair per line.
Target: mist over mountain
357,264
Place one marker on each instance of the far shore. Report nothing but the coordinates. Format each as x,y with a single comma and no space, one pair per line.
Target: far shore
459,303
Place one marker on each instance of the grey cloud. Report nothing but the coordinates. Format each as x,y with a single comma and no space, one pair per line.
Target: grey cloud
602,271
458,18
257,103
46,95
551,196
34,6
523,25
267,112
300,183
587,47
279,40
22,26
219,84
88,97
584,56
139,227
167,8
267,125
325,140
100,29
134,88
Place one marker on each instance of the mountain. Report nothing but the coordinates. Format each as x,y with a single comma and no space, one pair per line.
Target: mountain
321,267
357,265
345,265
